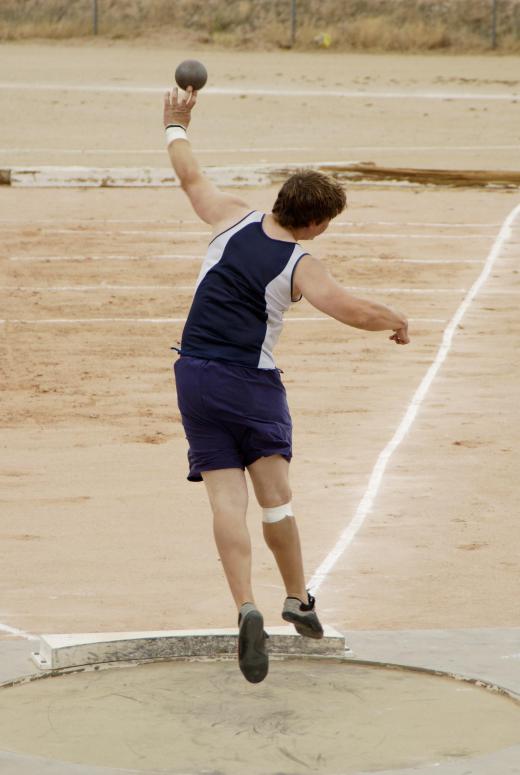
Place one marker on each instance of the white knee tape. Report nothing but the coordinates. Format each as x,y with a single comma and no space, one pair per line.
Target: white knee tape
278,513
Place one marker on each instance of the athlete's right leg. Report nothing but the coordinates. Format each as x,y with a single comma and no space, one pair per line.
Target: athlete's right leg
270,477
227,492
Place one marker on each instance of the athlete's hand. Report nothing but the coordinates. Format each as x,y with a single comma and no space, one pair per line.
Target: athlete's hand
177,110
400,335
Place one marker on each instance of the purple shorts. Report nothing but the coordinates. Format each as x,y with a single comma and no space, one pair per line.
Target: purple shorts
232,415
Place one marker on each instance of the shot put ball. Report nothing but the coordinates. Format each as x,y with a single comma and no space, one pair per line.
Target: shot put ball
191,72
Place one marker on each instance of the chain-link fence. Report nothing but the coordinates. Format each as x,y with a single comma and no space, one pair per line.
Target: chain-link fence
398,25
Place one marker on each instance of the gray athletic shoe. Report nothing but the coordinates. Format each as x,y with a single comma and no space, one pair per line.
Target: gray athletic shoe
253,658
303,616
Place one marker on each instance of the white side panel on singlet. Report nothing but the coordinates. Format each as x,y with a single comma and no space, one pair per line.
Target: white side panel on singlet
278,298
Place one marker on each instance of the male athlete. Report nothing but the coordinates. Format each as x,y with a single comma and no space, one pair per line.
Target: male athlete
231,398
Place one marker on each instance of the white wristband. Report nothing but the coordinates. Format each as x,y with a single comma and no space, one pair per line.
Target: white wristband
175,133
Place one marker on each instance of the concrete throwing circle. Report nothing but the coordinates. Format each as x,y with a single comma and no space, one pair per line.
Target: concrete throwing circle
324,716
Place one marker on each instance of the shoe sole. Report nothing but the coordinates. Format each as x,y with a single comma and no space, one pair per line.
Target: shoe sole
308,629
253,659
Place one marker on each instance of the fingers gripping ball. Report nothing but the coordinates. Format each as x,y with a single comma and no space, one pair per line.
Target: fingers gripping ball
191,72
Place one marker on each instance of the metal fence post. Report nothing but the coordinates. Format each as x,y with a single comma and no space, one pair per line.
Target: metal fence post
494,24
293,22
94,17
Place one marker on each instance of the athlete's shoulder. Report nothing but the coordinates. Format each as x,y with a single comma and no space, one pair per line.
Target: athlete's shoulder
241,217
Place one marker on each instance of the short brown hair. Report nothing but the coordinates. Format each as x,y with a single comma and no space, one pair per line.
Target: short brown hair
308,197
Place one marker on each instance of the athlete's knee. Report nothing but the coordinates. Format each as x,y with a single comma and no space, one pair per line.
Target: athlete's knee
277,513
227,491
274,497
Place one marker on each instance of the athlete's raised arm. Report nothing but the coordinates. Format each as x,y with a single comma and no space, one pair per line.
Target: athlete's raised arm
315,283
211,205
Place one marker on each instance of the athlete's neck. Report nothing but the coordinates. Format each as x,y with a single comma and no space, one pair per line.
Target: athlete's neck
273,229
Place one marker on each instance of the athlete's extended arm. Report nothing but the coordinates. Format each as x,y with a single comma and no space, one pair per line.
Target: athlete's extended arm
210,204
323,292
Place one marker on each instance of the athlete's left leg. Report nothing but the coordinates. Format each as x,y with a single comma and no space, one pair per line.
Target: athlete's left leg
227,491
270,477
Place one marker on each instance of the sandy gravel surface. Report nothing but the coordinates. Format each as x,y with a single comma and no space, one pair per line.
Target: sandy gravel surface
473,121
103,532
100,530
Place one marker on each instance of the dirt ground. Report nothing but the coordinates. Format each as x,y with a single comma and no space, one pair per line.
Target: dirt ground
99,530
435,124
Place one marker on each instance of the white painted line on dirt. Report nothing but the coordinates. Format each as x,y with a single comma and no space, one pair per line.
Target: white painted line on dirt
328,235
139,288
92,221
87,230
56,176
367,501
237,91
426,261
433,224
67,321
400,235
157,232
488,292
292,318
87,288
500,291
198,257
59,321
378,289
426,148
166,257
16,632
172,221
160,151
260,149
179,234
345,224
